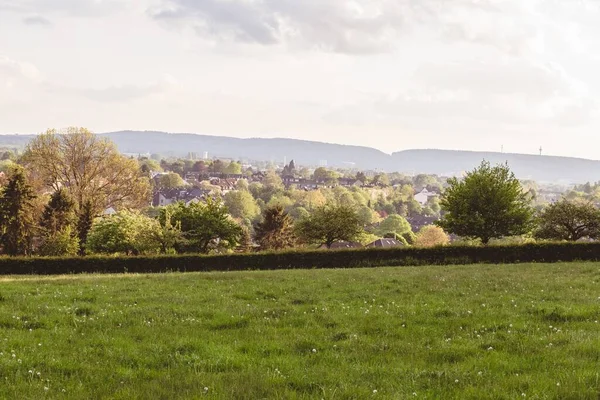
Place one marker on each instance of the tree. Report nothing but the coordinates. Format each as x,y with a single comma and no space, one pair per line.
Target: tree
394,223
326,176
63,242
431,236
17,218
233,168
327,225
85,220
241,204
89,166
488,203
566,220
59,213
276,230
205,227
171,180
126,232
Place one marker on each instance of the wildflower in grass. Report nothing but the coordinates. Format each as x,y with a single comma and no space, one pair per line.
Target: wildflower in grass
314,350
456,381
374,391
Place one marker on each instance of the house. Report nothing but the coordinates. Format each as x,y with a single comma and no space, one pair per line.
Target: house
165,197
385,243
342,245
419,221
423,196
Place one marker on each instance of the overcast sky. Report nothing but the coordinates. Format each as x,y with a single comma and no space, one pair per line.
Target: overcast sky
390,74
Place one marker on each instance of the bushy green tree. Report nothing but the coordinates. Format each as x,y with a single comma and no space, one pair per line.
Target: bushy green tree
205,227
63,242
241,204
394,223
233,168
170,180
59,213
276,230
487,203
327,225
17,219
568,220
126,232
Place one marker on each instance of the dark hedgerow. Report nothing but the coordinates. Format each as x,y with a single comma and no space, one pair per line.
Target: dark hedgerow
360,258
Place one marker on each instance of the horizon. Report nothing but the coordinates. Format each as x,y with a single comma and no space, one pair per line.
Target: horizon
329,143
383,74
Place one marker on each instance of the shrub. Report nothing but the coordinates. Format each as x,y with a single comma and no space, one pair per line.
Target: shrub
61,243
375,257
431,236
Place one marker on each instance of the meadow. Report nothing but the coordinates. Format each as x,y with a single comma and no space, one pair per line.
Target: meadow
454,332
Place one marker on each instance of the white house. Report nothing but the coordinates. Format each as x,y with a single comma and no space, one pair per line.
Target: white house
423,196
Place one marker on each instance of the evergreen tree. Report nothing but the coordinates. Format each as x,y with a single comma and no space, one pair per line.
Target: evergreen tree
59,213
276,231
84,224
17,215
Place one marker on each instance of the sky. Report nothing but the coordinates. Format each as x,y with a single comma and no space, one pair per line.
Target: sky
390,74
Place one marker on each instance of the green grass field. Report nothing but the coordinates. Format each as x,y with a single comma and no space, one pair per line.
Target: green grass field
472,332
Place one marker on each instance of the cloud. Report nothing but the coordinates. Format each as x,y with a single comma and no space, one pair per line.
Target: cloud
338,26
13,69
373,26
37,21
122,93
514,93
87,8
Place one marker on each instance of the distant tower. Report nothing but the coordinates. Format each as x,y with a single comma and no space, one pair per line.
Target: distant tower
284,160
540,150
206,155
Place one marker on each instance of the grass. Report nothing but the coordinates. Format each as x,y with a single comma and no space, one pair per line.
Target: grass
471,332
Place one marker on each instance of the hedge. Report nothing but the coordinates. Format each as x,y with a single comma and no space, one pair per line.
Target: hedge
539,252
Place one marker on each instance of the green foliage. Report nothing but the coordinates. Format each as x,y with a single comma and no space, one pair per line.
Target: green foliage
567,220
205,227
85,220
125,232
59,213
394,223
60,243
326,176
241,204
171,180
355,258
488,203
233,168
17,218
276,230
330,224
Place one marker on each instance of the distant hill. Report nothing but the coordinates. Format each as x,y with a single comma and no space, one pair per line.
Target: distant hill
441,162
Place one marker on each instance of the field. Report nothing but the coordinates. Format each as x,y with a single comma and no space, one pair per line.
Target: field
470,332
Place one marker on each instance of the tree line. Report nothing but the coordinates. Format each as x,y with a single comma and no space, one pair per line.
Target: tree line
54,200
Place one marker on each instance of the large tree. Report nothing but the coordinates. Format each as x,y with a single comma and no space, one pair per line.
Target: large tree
276,230
327,225
567,220
90,167
487,203
204,226
17,219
